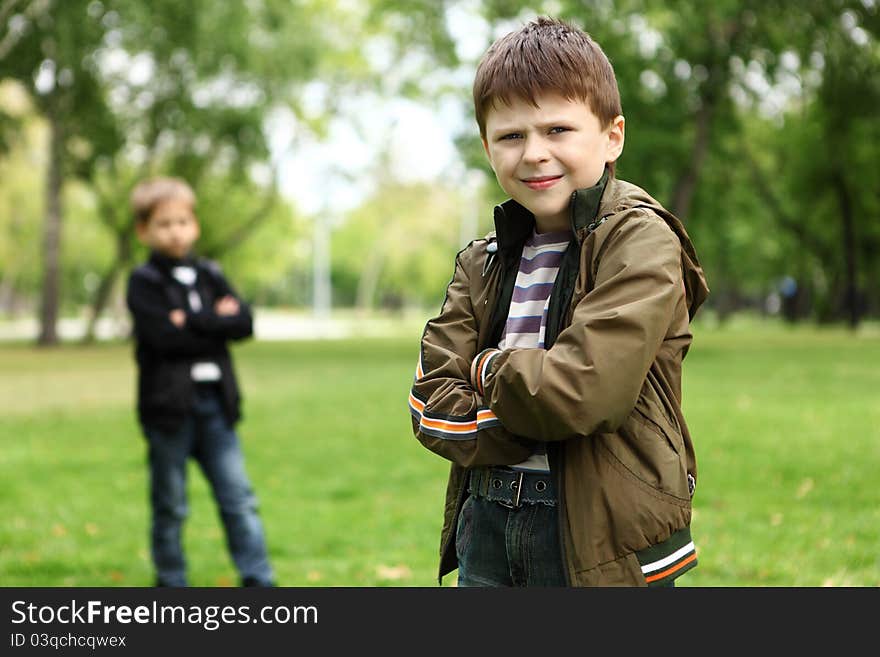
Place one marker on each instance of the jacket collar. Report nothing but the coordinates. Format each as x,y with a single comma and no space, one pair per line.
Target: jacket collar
167,263
514,223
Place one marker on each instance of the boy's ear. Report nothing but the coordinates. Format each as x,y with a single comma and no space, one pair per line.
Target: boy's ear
486,151
140,229
616,134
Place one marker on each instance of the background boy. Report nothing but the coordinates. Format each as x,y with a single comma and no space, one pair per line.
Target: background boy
184,313
552,376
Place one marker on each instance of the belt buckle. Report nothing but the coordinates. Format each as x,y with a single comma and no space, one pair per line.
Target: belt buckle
516,497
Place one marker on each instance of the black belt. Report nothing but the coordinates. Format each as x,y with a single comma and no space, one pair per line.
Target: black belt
511,488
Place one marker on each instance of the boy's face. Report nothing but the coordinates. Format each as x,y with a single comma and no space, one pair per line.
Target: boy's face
171,230
541,155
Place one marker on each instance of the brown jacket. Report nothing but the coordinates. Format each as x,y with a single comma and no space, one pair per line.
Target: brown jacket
605,394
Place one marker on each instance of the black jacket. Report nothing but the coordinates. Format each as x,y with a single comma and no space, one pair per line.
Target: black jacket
165,353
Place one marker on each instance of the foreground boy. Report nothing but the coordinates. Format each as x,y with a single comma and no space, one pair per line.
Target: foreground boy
552,376
184,313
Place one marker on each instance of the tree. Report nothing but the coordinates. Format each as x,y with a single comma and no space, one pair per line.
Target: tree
132,88
199,111
397,247
823,201
47,55
696,80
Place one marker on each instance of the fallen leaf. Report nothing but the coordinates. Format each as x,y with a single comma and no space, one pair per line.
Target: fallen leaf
393,572
743,402
805,487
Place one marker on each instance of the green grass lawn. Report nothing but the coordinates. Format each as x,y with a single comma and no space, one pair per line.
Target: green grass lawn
786,424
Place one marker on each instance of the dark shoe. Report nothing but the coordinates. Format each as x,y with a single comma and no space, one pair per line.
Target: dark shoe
253,581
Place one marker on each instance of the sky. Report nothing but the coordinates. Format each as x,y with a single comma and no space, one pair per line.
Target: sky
335,174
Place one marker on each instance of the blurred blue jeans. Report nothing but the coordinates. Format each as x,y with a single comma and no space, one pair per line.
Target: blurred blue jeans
207,437
498,546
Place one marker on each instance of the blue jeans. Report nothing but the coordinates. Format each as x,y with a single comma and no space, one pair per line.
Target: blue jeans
213,443
498,546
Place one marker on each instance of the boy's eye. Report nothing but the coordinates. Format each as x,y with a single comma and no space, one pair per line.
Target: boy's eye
555,130
509,136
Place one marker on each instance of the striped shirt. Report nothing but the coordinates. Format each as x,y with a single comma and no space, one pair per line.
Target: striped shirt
527,317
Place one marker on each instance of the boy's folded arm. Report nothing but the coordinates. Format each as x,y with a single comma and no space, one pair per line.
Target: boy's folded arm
590,379
448,416
151,310
229,327
448,419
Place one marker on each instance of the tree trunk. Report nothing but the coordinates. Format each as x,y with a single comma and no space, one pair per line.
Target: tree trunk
789,223
7,291
105,287
871,257
241,232
52,233
723,35
369,280
850,285
686,185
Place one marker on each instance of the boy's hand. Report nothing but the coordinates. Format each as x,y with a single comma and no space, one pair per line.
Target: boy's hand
479,367
177,317
226,306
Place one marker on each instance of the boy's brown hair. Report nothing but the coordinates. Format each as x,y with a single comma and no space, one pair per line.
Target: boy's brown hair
150,193
546,55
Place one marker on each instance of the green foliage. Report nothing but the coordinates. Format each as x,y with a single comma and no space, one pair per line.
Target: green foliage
52,58
755,121
398,248
415,24
151,88
255,260
87,253
719,94
20,209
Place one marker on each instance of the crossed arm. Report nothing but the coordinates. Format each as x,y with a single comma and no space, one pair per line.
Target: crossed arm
464,403
184,333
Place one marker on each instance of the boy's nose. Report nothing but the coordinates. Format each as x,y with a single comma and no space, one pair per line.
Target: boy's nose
535,150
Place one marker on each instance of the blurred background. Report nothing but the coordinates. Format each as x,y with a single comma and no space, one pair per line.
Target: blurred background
337,164
338,169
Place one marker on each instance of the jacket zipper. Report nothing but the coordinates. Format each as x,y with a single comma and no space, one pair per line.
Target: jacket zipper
557,450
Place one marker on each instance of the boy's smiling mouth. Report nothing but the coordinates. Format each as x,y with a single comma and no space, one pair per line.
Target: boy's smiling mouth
541,182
